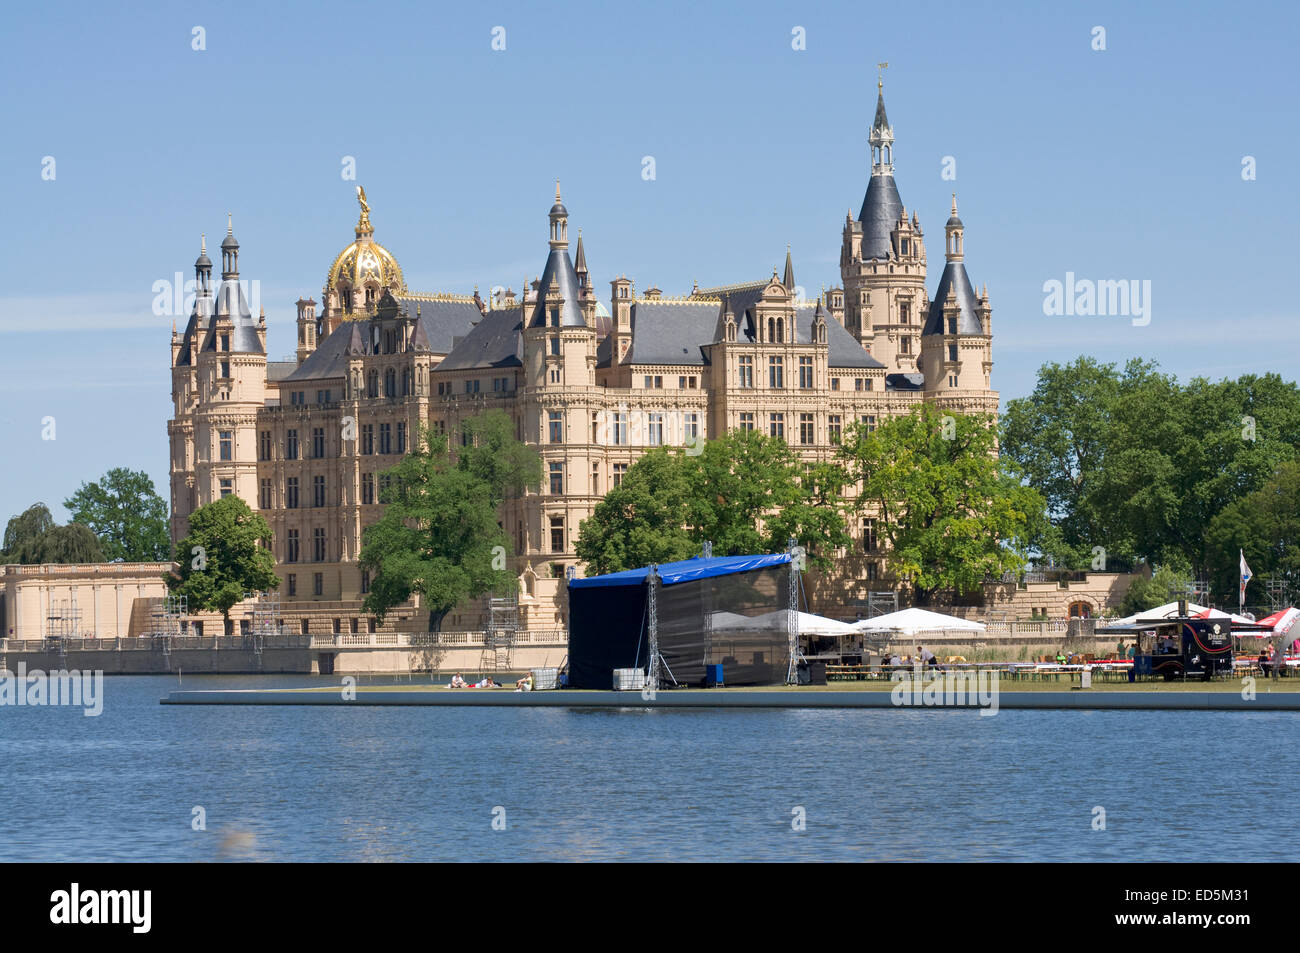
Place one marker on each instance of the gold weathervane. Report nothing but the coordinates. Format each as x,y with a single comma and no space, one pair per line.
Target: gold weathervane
364,224
880,76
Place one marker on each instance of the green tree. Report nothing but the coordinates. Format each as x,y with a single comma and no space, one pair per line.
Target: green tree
32,538
1265,525
1140,465
640,522
948,517
126,513
1166,584
222,558
440,535
744,491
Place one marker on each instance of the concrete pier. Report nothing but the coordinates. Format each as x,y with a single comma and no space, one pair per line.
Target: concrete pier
739,698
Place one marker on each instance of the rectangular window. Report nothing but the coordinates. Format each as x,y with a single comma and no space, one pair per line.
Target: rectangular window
692,428
859,384
555,317
557,478
747,371
904,308
775,372
835,383
225,440
318,491
655,429
292,582
595,479
264,445
620,471
291,493
264,494
318,584
365,581
868,383
557,534
746,421
225,369
806,429
555,426
385,438
555,347
870,421
776,425
291,546
834,426
681,383
401,437
318,544
318,442
805,373
905,346
367,438
869,541
225,342
291,445
872,571
620,428
367,488
227,487
952,352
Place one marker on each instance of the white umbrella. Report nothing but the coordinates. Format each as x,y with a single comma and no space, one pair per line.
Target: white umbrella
911,621
809,624
1170,609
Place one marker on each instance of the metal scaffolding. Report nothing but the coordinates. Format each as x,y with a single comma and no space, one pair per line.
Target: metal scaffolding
503,623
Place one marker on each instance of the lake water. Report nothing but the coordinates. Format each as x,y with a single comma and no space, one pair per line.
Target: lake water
376,784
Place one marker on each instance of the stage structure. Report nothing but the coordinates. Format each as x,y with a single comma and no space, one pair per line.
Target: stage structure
675,619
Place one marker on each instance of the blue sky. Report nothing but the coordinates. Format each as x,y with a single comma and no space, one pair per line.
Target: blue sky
1124,163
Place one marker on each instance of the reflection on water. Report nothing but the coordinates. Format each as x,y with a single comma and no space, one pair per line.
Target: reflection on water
415,784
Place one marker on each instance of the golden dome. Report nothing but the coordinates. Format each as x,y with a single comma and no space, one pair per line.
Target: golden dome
365,261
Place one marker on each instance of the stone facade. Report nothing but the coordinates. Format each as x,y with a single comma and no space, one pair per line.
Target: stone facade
590,386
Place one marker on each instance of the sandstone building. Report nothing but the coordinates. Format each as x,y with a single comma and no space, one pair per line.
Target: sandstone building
590,385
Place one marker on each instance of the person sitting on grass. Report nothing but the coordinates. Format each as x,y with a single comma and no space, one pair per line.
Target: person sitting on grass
457,681
525,684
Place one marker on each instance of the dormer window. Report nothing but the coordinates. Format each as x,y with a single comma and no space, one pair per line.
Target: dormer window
555,317
905,247
225,342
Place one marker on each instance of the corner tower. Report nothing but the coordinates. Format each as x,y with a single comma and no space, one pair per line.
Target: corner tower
957,353
882,261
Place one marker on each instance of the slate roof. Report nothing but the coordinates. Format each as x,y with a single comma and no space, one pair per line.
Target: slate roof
559,267
442,320
968,322
279,370
672,332
330,359
497,341
881,208
230,302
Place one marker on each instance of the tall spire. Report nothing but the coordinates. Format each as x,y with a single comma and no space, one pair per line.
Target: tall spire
788,280
229,251
203,270
954,235
882,134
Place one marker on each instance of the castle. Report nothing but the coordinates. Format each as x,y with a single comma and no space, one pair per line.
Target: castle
305,442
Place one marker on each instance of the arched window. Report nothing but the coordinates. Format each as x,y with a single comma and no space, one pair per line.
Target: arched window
372,384
390,383
406,382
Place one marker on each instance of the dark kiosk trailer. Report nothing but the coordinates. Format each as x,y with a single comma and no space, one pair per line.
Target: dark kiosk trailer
1183,647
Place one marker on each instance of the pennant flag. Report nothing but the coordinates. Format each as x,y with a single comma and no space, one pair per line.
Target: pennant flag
1246,576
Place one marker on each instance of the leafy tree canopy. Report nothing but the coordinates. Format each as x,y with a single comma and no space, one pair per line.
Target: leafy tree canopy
440,534
222,558
32,538
126,513
948,516
744,491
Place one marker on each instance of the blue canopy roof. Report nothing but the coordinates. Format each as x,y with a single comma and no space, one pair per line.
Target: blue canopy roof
687,570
